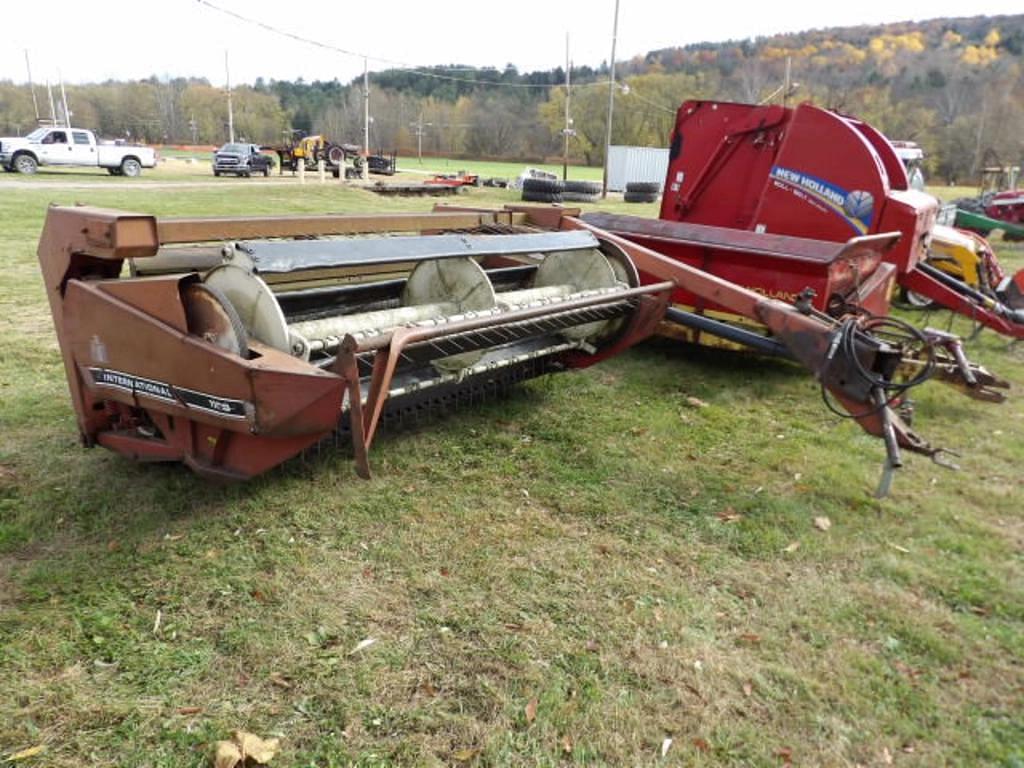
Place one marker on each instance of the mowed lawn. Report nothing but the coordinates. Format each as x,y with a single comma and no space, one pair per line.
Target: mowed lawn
673,558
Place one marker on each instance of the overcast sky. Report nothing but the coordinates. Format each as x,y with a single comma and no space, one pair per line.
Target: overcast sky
124,39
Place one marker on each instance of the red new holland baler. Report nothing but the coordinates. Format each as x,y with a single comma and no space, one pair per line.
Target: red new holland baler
800,172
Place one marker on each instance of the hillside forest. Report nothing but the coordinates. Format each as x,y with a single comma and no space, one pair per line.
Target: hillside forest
955,86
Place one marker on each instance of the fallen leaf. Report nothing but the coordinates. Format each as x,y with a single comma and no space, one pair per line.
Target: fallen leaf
666,745
696,402
886,756
24,754
251,745
363,644
822,523
750,637
898,548
748,689
227,755
791,548
530,711
189,710
280,682
729,515
701,744
567,745
786,753
465,755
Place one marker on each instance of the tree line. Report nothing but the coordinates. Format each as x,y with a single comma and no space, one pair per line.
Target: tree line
956,86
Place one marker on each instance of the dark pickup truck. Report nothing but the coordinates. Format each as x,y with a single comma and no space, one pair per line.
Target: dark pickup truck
241,160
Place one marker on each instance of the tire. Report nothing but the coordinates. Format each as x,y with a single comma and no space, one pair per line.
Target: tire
112,171
580,197
335,155
8,169
543,187
266,172
131,167
541,197
644,187
216,173
583,187
25,163
635,197
246,175
917,300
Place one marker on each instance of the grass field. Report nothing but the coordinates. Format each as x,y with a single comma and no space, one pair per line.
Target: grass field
576,574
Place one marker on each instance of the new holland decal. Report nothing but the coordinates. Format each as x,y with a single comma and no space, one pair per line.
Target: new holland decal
855,208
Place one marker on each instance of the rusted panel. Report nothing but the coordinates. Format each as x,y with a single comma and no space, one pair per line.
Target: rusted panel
159,297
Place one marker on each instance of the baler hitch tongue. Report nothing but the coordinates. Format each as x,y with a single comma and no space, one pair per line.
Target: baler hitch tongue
871,363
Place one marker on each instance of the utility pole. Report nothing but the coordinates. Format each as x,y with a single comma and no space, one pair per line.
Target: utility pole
31,86
53,109
366,119
419,125
787,84
64,100
611,103
231,112
567,131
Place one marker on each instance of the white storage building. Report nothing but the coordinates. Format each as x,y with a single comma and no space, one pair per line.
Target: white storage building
626,164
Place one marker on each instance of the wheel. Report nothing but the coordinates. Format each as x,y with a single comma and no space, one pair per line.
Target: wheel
335,155
635,197
580,197
583,187
644,187
917,300
543,186
969,204
245,175
266,171
541,197
210,315
25,163
216,173
112,171
131,167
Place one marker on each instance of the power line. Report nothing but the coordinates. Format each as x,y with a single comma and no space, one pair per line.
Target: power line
401,65
648,102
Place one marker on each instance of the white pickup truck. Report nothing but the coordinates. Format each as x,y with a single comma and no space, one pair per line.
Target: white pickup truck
72,146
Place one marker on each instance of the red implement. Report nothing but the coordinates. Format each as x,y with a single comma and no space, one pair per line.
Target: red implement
810,173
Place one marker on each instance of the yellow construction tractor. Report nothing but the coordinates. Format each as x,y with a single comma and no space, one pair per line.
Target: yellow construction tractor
309,150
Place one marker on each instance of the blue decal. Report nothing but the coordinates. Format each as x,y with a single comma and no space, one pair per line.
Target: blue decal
855,208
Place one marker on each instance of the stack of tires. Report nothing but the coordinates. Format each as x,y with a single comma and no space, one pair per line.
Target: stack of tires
642,192
556,191
582,192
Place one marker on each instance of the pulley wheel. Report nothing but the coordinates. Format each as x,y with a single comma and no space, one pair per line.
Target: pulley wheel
459,281
254,304
209,315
